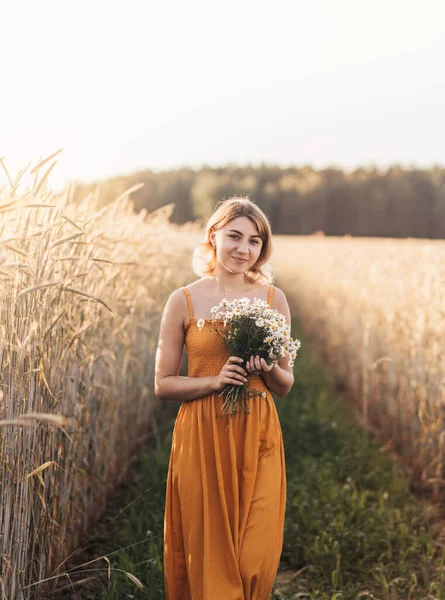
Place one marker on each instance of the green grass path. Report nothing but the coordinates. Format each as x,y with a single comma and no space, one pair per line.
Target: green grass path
352,530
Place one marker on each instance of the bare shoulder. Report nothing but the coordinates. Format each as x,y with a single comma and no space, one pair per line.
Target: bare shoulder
199,284
278,294
280,303
178,296
175,308
198,289
176,305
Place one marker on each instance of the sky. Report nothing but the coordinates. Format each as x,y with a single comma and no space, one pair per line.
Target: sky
134,85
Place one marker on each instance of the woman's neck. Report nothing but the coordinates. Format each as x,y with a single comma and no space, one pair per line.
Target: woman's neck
231,285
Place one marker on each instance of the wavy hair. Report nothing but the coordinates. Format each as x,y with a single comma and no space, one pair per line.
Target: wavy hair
204,255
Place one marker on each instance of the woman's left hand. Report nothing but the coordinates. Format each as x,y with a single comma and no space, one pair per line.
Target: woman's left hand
258,365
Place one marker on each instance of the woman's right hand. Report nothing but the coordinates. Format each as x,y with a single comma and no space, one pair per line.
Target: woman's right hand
231,373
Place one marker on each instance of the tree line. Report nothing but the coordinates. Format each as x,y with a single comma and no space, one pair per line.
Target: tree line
394,202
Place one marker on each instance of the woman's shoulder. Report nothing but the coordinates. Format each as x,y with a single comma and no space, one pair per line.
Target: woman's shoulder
276,289
280,302
177,302
278,294
178,296
199,284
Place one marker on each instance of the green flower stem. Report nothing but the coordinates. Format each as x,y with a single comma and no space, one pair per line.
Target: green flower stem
235,399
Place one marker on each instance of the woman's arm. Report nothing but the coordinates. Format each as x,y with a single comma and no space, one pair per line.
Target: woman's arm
281,378
169,385
185,388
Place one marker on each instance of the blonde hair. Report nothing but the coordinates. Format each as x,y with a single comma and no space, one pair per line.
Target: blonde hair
204,255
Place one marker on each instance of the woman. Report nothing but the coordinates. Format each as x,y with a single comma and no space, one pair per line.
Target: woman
226,488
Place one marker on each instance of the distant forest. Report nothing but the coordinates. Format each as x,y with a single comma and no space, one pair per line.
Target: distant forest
366,202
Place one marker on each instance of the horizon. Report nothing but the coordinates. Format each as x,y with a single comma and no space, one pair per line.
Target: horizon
59,186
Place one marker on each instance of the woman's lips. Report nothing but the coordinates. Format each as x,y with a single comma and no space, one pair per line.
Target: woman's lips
239,260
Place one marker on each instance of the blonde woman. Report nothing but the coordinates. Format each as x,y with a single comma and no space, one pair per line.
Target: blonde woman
226,488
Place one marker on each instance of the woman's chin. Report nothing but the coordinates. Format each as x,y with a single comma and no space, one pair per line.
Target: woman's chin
238,268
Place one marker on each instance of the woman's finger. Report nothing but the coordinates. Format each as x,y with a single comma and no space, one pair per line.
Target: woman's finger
267,367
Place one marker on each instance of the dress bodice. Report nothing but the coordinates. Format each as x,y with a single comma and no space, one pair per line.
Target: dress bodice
206,351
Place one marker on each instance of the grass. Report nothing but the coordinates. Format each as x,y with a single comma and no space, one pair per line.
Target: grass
353,529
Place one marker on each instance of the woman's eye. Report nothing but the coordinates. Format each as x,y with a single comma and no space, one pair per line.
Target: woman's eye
234,236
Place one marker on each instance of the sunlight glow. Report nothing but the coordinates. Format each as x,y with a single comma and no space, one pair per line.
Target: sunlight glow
160,85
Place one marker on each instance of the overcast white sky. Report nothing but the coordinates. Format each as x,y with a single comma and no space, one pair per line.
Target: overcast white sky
139,84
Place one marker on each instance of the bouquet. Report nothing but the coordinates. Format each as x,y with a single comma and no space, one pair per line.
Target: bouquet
250,329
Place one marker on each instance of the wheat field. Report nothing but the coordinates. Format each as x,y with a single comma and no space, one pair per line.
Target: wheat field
81,292
374,309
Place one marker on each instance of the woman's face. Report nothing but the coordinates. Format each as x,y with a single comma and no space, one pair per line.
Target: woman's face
239,238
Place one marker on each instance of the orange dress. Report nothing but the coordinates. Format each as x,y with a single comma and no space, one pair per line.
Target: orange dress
226,488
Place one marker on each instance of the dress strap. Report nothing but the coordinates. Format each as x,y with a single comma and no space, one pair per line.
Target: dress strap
270,297
189,302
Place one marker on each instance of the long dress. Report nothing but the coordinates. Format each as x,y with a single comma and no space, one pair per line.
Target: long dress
226,487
